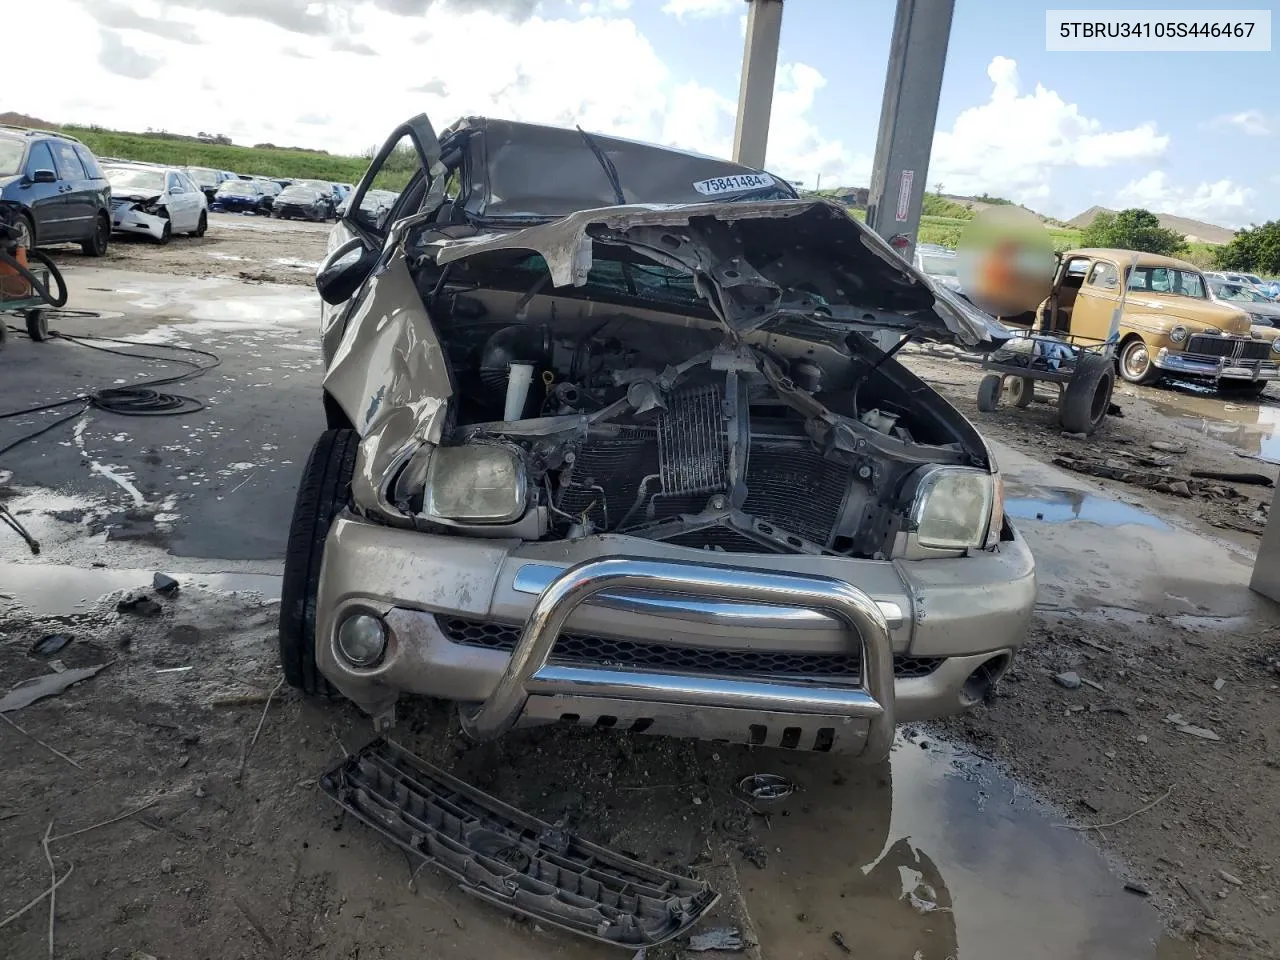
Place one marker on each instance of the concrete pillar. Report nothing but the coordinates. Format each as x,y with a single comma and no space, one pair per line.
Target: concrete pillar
1266,569
755,95
899,178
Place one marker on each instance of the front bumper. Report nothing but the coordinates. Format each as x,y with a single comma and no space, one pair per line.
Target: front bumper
960,617
127,219
294,211
1217,366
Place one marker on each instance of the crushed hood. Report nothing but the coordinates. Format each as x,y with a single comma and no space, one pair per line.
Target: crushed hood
752,262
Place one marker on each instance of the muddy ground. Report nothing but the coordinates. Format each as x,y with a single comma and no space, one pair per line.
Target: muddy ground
246,247
961,847
1108,747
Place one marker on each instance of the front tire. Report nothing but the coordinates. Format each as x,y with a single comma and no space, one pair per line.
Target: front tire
26,232
324,492
1087,397
96,246
203,226
37,324
989,390
1135,363
166,234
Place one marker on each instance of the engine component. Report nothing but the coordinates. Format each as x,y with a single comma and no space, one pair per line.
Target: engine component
691,443
519,377
516,344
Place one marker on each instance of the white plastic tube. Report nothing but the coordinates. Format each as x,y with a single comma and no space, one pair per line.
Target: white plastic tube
518,379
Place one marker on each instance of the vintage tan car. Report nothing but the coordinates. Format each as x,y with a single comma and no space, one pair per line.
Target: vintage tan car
1169,323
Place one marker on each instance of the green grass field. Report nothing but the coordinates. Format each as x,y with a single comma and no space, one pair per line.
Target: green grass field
295,164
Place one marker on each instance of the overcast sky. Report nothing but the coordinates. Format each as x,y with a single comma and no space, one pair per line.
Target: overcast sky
1191,134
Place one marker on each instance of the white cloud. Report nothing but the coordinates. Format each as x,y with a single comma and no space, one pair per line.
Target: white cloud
1252,122
700,9
797,149
1222,202
1011,145
603,8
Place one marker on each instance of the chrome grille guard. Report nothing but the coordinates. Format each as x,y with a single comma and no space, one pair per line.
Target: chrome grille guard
528,672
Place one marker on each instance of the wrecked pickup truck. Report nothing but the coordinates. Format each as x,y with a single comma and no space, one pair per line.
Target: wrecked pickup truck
610,443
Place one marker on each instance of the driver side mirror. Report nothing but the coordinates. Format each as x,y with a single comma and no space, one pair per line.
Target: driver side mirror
344,270
44,176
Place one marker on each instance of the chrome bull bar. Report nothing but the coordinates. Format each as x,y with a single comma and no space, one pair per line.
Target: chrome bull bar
528,672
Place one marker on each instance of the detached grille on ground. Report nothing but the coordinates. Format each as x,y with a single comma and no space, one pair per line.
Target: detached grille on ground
575,648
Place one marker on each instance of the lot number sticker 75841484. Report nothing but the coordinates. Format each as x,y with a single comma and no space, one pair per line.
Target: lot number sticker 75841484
738,183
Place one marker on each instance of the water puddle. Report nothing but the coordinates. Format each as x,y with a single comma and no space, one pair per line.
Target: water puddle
56,590
1060,505
1251,427
938,856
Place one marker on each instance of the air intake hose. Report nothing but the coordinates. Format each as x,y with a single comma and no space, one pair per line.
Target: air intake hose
519,344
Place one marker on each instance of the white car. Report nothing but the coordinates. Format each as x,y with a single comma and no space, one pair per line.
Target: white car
155,201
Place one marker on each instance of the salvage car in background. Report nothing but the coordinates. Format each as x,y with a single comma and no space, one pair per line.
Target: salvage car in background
241,196
156,202
939,264
625,391
207,179
1168,324
306,200
54,190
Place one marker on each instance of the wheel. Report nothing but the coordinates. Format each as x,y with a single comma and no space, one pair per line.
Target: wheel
166,234
203,226
324,491
1087,396
989,392
1249,388
4,335
96,246
1135,363
1022,391
25,232
37,324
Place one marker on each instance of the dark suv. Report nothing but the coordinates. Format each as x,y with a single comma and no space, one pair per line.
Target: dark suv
54,185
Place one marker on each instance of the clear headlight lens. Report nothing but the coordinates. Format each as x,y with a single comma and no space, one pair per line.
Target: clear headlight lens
1275,345
953,508
1178,334
481,483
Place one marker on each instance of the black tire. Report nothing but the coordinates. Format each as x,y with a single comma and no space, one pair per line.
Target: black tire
26,228
203,226
37,324
989,392
324,492
4,335
1022,391
1087,396
1246,388
96,245
1134,363
166,234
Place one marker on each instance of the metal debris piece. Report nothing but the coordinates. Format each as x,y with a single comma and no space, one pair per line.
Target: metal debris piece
766,786
49,685
1219,684
501,855
48,645
720,938
164,585
838,939
139,605
1204,733
1137,888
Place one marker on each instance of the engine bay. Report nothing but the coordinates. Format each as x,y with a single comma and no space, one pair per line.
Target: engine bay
791,440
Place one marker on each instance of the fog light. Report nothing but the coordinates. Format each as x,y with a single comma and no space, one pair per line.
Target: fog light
362,639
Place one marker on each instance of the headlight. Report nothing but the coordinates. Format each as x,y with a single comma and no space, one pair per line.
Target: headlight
480,483
1178,334
953,508
1275,345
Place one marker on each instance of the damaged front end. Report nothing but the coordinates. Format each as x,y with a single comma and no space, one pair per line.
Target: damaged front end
139,213
694,374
